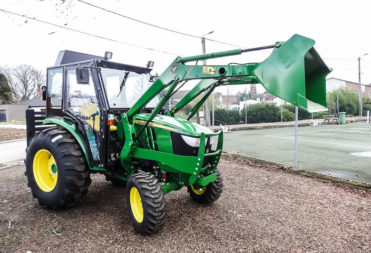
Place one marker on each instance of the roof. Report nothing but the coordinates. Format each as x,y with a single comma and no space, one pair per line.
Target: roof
34,102
265,96
229,99
68,56
334,78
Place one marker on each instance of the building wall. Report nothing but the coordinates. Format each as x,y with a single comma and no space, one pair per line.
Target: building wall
353,87
334,84
367,92
15,112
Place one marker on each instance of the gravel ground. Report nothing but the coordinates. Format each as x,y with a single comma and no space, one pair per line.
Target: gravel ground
261,210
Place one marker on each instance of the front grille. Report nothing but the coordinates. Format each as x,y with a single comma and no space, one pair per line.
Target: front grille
180,147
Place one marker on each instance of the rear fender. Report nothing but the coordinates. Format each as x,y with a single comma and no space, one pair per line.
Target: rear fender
70,128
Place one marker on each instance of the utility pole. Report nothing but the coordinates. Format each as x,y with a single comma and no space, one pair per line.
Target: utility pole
359,86
245,107
206,104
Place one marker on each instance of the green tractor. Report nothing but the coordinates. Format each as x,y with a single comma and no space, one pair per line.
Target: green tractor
110,118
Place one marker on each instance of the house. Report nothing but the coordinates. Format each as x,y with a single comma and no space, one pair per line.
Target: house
336,83
35,102
246,103
12,112
230,102
367,92
18,112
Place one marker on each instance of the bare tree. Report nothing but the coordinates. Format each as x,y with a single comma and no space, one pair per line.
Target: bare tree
24,81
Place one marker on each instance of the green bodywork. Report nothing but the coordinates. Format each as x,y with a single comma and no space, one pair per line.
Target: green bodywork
294,72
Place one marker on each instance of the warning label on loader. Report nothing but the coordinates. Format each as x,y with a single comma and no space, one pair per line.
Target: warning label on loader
208,70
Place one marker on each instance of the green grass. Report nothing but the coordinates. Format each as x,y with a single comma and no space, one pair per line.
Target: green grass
14,122
324,149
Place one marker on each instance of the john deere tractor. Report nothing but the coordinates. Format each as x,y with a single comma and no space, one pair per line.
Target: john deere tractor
110,118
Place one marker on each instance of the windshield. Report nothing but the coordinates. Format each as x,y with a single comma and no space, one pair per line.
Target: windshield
124,88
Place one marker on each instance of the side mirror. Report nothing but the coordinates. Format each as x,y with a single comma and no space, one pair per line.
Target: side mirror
43,93
82,75
150,64
153,78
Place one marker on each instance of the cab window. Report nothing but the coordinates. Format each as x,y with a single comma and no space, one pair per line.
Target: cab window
55,84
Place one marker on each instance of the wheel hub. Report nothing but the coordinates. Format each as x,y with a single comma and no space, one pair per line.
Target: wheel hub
45,170
136,204
198,191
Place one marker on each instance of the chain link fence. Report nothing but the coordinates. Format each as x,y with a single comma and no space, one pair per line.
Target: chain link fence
336,143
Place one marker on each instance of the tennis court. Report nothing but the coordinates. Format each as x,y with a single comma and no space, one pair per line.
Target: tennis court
342,151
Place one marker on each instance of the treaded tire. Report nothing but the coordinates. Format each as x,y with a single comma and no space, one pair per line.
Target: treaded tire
73,175
152,200
211,193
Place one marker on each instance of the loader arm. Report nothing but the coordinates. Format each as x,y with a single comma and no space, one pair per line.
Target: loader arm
293,72
208,86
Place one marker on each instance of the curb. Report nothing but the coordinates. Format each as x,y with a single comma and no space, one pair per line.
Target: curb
305,173
15,140
11,164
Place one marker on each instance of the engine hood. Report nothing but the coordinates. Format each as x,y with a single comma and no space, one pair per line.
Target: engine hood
172,124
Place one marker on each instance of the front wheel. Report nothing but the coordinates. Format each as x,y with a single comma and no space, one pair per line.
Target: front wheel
146,203
207,194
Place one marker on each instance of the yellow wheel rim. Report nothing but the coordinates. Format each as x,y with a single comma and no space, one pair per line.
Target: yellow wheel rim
198,191
136,204
45,170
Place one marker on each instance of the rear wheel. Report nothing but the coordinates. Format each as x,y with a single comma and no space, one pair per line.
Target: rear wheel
207,194
146,203
56,169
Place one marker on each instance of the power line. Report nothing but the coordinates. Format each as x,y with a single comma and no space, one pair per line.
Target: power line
341,59
153,25
86,33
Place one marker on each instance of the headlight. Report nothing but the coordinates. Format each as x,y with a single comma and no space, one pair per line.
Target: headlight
191,141
214,142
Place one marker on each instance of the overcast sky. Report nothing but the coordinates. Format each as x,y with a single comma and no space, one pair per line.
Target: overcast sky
340,28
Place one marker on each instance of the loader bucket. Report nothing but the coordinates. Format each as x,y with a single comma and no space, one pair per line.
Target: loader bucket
296,73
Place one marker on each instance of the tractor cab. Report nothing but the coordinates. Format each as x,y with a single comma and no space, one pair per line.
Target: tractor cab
90,91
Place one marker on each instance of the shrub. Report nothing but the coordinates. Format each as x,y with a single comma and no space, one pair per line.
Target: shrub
225,117
366,107
319,115
348,102
302,113
258,113
287,115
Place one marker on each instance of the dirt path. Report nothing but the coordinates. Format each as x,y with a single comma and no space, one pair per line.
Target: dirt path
261,210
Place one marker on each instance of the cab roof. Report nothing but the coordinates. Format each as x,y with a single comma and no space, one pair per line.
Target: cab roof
68,57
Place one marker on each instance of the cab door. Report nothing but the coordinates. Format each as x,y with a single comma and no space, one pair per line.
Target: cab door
54,101
83,103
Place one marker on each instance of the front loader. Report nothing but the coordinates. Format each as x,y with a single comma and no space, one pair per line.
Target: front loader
110,118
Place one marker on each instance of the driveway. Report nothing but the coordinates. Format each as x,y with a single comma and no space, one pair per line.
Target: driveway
12,152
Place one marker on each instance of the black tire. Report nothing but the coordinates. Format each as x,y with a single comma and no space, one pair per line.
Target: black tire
73,176
210,193
152,202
